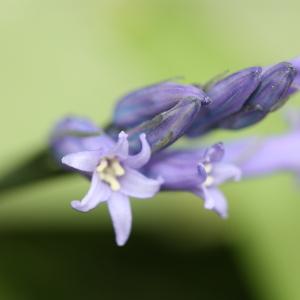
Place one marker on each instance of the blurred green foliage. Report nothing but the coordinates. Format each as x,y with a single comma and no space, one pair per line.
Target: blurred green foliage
77,57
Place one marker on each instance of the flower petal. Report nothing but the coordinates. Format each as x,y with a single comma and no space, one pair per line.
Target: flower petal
86,161
135,184
120,212
214,153
139,160
98,192
214,200
122,147
224,172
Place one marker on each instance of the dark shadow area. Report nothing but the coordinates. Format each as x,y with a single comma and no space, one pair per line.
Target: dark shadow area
87,265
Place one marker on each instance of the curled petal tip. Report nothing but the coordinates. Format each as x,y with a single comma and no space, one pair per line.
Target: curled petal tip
140,159
121,240
238,176
215,152
208,204
160,181
223,215
76,204
123,134
143,136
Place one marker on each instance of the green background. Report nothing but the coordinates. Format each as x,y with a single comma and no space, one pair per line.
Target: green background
77,57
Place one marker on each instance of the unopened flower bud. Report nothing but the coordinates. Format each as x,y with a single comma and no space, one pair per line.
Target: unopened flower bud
166,127
144,104
74,134
295,86
228,96
270,95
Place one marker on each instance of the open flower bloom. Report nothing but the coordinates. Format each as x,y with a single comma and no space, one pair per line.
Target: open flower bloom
197,171
114,178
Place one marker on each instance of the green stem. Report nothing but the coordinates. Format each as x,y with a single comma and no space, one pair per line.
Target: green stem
39,167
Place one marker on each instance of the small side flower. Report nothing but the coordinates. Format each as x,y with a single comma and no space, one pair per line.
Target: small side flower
199,171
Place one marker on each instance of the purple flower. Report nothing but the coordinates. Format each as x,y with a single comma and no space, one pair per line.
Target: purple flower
145,103
74,134
197,171
271,94
295,86
165,128
228,96
246,97
114,178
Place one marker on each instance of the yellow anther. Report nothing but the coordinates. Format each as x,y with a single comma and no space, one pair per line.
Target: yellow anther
118,169
102,166
109,169
111,180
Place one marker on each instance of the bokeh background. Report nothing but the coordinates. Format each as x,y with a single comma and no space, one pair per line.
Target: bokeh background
62,57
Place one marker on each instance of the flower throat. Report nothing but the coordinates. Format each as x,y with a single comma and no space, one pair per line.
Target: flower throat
109,169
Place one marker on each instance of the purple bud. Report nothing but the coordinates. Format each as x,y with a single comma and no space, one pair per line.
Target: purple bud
166,127
270,95
73,134
228,96
295,86
144,104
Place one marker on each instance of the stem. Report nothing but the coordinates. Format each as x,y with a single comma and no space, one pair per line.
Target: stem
37,168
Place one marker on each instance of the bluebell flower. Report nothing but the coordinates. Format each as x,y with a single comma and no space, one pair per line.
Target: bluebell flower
246,97
295,86
115,177
270,95
145,103
228,96
167,127
199,171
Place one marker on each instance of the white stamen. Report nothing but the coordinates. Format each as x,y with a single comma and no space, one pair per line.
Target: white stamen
209,181
208,168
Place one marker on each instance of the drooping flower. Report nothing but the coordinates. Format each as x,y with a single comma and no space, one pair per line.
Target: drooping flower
114,178
199,171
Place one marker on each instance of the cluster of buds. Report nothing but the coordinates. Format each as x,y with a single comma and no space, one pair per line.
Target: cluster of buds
133,156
